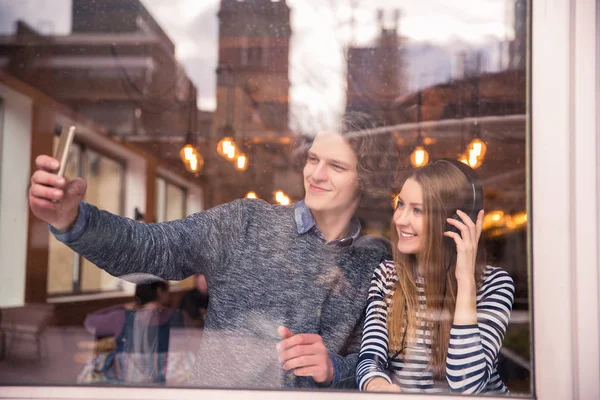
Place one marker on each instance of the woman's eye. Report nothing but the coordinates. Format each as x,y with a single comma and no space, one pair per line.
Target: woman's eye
400,204
418,211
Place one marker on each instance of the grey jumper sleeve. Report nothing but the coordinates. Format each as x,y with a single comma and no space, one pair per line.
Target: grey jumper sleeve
203,243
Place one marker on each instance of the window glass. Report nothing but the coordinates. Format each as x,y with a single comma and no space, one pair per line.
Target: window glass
170,201
175,202
161,198
105,183
302,126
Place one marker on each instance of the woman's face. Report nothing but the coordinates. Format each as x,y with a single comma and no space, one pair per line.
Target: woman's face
409,218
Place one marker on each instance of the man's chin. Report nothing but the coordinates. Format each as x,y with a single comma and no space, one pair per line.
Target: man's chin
315,204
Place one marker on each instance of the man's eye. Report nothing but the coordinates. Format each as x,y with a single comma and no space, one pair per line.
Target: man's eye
313,160
338,167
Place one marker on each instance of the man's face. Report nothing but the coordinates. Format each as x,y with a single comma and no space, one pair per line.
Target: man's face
330,175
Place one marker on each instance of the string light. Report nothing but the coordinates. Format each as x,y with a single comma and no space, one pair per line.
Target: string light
251,195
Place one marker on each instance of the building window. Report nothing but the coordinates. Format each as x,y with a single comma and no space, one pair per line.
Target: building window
170,201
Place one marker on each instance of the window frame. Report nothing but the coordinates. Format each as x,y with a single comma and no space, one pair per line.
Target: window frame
564,202
1,136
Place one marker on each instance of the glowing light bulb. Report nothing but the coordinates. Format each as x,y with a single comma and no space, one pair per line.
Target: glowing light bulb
241,162
419,157
193,163
479,147
279,195
226,148
285,201
472,158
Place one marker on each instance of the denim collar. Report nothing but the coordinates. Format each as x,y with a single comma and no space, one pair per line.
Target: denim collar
305,222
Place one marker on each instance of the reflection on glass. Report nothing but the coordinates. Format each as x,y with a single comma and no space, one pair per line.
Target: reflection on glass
244,79
103,175
160,199
175,202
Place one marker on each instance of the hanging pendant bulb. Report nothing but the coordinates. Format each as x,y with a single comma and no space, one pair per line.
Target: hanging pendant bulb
476,149
479,147
226,148
419,157
191,158
282,198
470,158
196,163
186,153
241,162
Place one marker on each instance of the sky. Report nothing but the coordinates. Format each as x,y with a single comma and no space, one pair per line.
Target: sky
321,31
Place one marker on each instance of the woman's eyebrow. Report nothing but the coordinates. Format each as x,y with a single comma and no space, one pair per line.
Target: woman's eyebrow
412,204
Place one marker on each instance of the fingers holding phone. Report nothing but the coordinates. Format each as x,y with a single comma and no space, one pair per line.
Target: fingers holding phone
52,197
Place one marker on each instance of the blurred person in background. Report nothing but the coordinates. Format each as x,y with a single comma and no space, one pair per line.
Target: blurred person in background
140,331
194,303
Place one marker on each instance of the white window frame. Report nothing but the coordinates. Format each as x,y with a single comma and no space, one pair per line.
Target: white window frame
565,199
565,220
1,139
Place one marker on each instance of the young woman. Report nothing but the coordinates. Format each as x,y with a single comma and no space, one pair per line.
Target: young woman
437,313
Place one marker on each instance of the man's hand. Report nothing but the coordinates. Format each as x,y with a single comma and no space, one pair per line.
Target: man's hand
51,198
306,355
381,385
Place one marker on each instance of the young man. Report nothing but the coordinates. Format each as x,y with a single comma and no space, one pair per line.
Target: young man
288,285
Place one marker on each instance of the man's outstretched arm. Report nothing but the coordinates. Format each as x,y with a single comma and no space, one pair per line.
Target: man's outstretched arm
201,243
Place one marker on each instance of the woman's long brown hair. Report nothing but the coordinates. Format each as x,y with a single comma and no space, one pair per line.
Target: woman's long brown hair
445,189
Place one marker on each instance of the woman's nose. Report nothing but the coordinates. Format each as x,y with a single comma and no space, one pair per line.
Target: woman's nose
401,217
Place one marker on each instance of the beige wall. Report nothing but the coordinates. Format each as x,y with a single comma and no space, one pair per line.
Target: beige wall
14,183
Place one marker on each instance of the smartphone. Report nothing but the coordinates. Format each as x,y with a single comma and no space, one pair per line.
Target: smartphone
64,145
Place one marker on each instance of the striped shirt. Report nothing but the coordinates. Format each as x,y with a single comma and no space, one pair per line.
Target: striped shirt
471,364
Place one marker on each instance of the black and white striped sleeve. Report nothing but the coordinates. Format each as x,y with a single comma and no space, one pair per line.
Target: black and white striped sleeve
473,349
372,359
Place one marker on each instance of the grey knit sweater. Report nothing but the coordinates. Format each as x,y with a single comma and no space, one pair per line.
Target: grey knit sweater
261,273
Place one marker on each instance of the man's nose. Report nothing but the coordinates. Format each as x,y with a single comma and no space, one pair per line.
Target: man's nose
320,172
